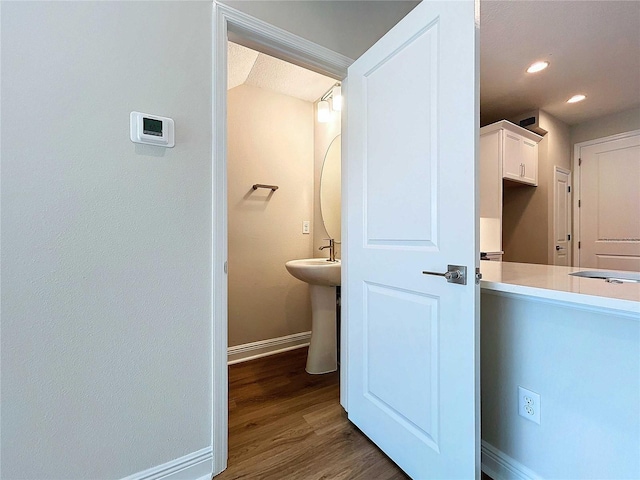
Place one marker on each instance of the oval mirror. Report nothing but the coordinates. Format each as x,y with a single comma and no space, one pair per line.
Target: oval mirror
330,187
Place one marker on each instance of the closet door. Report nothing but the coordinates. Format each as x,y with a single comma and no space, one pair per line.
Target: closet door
610,205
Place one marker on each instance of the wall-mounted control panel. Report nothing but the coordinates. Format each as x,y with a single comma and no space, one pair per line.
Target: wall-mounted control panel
152,129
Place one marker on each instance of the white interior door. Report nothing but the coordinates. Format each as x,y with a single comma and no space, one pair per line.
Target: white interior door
610,204
561,218
413,350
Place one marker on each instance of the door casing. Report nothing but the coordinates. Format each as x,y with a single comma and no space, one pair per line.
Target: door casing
229,23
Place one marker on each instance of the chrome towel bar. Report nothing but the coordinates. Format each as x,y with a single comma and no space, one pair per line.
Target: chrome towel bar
273,188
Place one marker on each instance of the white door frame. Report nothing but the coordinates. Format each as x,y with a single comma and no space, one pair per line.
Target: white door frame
259,35
576,184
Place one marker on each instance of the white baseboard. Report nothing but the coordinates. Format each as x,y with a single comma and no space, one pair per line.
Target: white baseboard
500,466
271,346
194,466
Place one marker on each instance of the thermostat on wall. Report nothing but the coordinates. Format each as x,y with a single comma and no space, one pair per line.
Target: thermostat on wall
152,129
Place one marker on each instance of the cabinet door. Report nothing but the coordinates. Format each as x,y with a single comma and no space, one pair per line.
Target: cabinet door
530,162
512,159
520,162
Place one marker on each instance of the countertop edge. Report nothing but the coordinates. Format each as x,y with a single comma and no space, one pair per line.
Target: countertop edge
615,305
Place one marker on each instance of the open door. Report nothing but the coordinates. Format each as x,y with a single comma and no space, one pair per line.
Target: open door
413,338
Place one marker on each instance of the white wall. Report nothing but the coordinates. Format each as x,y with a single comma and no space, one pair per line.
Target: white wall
106,245
584,365
346,27
270,141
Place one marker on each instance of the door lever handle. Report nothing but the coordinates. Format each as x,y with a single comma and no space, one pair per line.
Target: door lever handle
454,274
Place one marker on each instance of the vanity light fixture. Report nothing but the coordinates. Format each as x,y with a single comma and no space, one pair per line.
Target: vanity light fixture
324,111
576,98
537,67
337,98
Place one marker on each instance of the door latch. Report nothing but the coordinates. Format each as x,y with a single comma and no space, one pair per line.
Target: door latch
478,276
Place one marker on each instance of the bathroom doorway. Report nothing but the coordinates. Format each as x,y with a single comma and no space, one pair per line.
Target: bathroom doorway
275,151
258,203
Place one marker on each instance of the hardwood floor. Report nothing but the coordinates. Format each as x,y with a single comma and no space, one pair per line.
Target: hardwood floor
287,424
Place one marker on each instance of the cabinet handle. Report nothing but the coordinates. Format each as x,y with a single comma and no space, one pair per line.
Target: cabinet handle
524,170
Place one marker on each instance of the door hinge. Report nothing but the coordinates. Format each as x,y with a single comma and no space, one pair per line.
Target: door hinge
478,276
578,244
225,267
579,162
569,189
568,237
579,203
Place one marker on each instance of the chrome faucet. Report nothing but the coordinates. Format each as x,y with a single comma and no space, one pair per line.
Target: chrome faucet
332,249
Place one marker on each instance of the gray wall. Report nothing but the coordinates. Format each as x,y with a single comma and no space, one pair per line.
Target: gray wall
584,365
625,121
106,245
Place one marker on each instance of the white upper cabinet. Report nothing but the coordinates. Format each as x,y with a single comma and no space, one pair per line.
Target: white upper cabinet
518,156
510,152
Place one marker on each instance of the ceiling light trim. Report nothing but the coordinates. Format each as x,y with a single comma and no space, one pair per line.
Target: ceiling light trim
577,98
538,66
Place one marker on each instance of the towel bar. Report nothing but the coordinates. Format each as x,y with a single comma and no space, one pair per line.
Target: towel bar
273,188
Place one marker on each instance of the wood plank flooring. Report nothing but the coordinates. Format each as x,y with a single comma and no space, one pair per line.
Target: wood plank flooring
287,424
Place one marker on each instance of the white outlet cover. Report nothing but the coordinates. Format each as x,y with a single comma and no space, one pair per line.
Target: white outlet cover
529,405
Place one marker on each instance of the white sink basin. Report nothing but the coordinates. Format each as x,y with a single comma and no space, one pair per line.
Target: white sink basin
323,277
609,276
315,271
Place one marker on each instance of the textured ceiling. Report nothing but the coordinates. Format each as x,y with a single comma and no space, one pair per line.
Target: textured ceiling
593,48
259,70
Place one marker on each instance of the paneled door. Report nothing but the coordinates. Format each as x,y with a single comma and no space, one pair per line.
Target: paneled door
413,338
561,216
610,204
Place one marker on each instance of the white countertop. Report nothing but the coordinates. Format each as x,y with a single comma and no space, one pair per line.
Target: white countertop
554,283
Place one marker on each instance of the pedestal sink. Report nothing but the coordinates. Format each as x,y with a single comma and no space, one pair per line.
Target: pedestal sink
322,276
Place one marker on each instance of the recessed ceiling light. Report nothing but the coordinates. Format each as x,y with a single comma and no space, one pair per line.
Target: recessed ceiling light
576,98
537,67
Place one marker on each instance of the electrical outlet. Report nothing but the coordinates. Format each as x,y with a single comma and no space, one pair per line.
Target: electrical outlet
306,226
529,405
